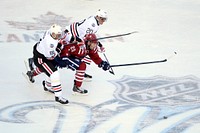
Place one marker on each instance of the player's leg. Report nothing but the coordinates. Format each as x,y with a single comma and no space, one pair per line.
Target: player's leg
52,72
79,76
88,61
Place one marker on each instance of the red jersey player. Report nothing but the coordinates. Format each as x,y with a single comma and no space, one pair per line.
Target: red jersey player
73,54
77,30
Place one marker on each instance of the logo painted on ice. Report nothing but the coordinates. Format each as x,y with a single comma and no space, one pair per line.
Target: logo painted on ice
34,30
43,22
158,90
171,105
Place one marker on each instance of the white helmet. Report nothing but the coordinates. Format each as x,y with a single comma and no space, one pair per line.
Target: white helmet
101,13
56,29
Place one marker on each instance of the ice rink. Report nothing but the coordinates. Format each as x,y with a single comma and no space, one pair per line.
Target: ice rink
152,98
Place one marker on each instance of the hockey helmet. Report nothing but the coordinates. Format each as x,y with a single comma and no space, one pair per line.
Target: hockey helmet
91,38
102,13
56,30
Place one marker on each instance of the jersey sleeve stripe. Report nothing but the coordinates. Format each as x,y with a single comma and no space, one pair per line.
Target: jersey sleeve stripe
73,29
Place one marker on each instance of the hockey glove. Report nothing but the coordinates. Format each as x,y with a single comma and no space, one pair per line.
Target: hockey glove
72,62
105,65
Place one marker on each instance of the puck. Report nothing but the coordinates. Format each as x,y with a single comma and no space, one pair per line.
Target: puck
165,117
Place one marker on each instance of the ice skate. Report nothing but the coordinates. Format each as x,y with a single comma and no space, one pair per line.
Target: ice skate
87,77
61,100
45,88
30,76
30,63
78,91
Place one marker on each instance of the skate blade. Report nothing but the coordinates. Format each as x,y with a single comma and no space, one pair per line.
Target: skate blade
79,94
58,103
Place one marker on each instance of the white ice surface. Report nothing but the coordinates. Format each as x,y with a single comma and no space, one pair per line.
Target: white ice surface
165,27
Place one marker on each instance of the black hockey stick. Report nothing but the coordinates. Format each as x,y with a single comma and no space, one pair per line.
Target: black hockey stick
139,63
106,37
111,70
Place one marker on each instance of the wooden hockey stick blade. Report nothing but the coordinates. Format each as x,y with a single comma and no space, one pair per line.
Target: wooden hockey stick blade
139,63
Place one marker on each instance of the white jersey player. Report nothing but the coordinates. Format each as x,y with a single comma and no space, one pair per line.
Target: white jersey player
45,59
47,45
77,31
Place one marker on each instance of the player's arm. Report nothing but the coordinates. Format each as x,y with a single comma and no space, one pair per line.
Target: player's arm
97,60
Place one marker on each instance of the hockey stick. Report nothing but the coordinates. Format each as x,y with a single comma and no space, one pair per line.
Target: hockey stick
139,63
107,37
113,36
111,70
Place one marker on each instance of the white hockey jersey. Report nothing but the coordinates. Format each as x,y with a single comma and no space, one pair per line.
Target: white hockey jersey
81,28
47,46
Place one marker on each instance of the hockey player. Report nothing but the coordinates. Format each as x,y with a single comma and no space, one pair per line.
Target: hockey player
77,30
45,58
73,55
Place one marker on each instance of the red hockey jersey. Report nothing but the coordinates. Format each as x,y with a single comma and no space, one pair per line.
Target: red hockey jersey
80,51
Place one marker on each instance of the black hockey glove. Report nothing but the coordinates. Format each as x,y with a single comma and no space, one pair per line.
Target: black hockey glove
105,65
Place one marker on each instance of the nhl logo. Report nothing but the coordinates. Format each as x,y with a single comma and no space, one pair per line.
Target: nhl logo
158,90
